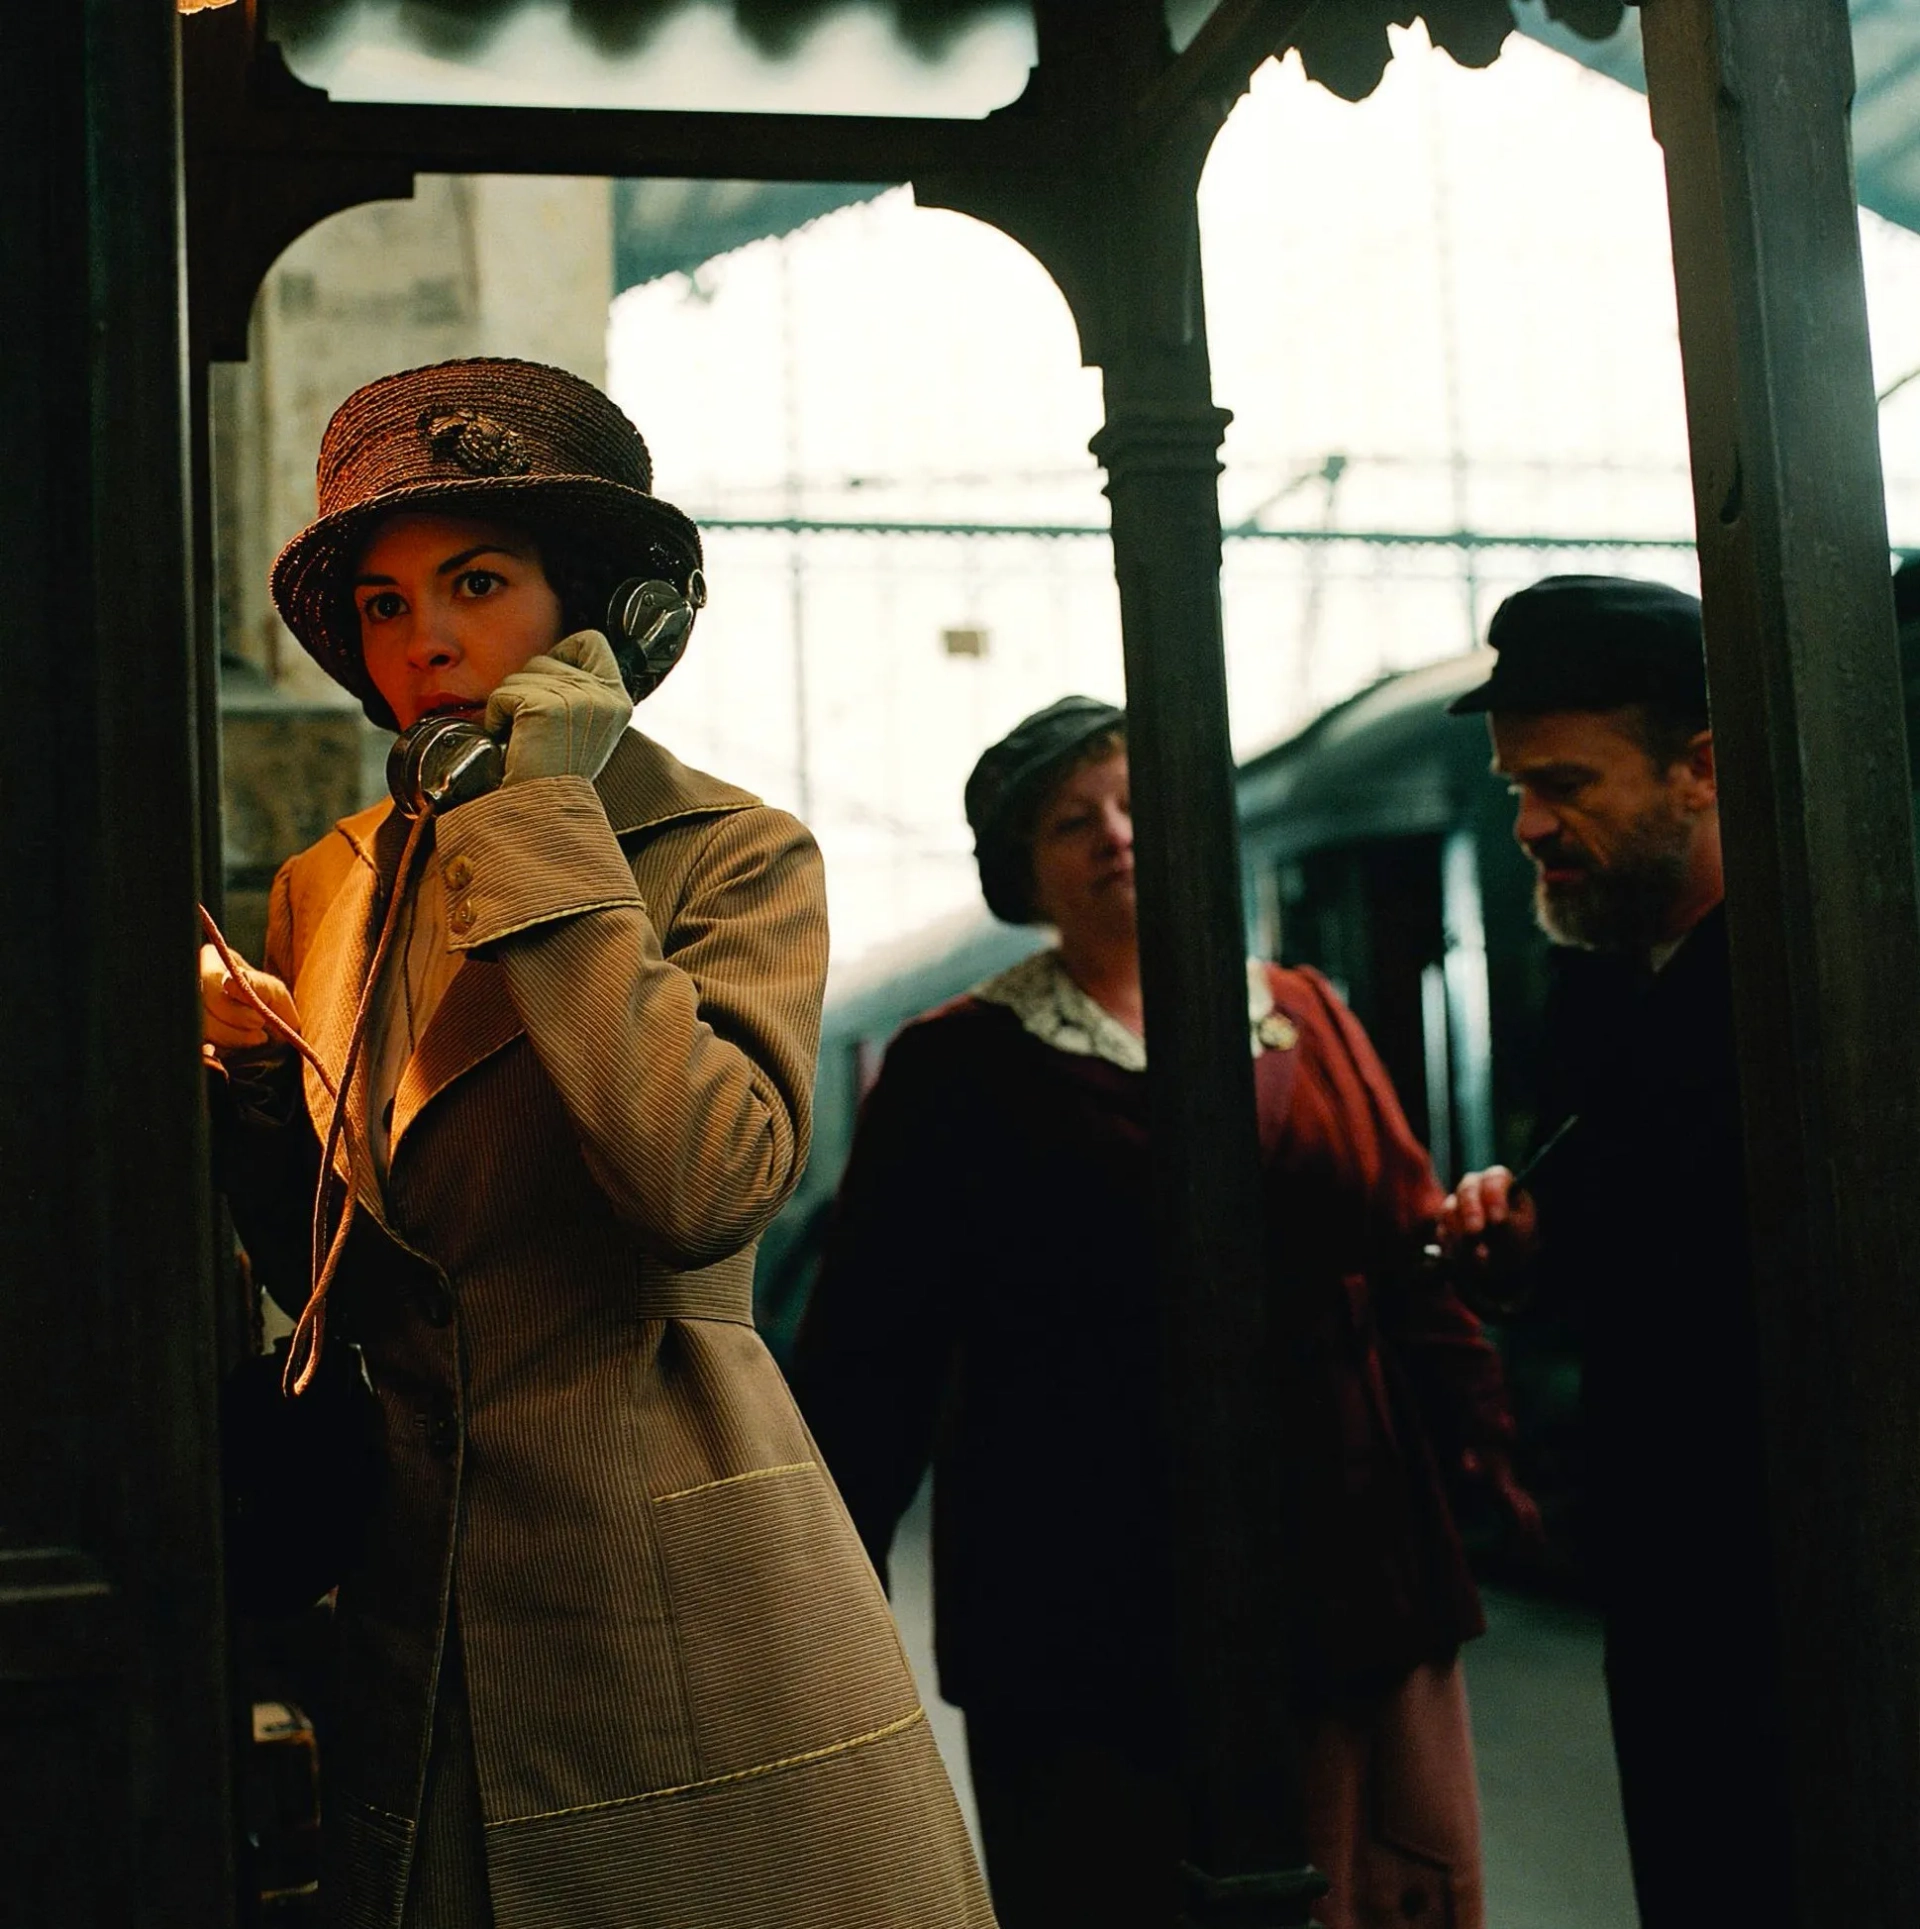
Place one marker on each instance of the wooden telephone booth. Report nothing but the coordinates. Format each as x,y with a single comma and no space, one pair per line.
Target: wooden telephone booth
134,237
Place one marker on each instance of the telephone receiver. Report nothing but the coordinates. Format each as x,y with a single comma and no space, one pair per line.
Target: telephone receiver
443,761
657,620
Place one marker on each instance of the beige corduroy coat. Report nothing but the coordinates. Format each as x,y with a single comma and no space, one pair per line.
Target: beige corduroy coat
687,1703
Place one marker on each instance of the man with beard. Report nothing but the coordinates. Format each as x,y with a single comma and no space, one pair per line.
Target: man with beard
1632,1220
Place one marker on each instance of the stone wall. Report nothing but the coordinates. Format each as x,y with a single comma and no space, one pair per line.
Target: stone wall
472,265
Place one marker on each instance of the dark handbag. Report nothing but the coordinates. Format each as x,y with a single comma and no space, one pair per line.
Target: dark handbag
302,1477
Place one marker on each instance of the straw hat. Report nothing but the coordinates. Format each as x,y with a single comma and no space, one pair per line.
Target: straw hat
486,438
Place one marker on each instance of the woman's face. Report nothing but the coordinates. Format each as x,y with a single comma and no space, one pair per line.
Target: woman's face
449,608
1083,853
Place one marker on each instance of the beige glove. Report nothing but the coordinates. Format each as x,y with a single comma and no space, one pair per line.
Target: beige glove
566,710
229,1022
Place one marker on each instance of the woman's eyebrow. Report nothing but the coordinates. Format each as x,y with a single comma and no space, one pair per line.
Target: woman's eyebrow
447,568
466,556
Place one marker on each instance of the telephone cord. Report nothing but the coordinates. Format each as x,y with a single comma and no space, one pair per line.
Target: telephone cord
309,1333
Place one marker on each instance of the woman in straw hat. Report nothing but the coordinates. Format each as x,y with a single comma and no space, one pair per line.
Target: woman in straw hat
611,1654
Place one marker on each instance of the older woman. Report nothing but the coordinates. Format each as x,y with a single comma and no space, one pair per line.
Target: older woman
611,1655
988,1302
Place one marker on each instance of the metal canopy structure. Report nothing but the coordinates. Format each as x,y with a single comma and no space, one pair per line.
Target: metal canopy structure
112,1725
1886,93
664,227
672,227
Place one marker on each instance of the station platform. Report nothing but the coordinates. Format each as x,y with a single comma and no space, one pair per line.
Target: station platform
1555,1847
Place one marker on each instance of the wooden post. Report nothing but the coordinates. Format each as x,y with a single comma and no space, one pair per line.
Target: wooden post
1750,101
1247,1860
114,1759
1122,240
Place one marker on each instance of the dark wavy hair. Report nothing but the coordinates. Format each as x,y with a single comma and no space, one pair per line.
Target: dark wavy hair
584,579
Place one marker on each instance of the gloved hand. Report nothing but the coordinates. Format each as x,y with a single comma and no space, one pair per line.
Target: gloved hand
229,1022
566,710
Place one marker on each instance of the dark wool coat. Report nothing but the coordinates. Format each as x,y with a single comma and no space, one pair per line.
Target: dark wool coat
687,1703
1645,1247
988,1300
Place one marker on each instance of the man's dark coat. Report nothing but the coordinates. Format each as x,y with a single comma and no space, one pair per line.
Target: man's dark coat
1643,1217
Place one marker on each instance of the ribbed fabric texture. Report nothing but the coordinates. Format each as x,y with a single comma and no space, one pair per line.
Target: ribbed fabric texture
687,1701
689,1084
449,1887
870,1838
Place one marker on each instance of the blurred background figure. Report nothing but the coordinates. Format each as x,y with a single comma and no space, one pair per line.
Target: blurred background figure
1633,1214
989,1302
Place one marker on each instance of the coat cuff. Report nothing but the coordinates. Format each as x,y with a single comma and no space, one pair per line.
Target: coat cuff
528,854
261,1088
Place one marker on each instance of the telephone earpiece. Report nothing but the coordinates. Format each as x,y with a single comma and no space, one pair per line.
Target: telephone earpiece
442,761
656,618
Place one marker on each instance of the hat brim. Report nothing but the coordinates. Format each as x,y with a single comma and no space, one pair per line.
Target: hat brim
1473,702
310,579
1521,696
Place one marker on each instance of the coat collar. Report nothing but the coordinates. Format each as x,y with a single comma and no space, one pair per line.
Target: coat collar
642,786
645,784
475,1018
335,969
1044,996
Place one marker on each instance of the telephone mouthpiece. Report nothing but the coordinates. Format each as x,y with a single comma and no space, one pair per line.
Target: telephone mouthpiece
441,762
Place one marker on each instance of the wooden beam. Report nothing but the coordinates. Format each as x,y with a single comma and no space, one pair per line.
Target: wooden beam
115,1793
1122,242
244,104
1750,101
632,143
1215,67
268,156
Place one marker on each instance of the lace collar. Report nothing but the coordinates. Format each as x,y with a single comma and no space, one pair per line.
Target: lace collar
1040,992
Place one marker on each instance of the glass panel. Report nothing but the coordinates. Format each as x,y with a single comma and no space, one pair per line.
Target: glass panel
959,58
1185,18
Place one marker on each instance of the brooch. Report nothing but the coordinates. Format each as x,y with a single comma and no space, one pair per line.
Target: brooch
481,446
1277,1032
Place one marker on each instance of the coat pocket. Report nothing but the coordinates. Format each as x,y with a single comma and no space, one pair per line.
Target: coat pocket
787,1645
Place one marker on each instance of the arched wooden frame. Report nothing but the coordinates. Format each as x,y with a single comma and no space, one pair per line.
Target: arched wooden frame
1094,171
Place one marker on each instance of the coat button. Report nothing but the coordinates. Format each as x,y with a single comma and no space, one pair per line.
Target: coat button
459,874
435,1302
462,918
443,1431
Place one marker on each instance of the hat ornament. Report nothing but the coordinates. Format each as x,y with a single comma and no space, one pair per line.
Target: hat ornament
479,444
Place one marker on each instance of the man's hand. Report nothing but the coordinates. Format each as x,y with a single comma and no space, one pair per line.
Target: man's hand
228,1022
1490,1224
1492,1470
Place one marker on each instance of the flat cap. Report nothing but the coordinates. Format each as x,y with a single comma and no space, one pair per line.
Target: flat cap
1592,643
